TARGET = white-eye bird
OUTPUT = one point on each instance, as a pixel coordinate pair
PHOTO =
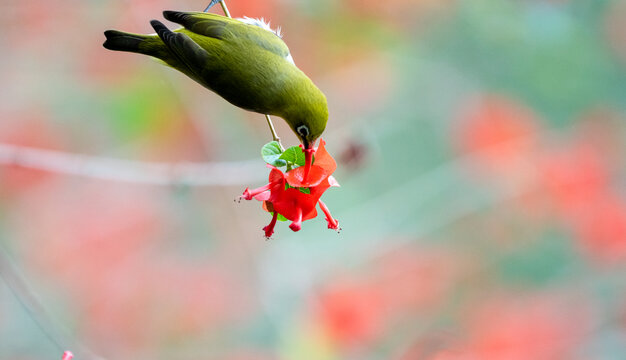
(242, 60)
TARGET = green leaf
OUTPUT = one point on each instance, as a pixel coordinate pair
(304, 190)
(280, 217)
(272, 155)
(294, 155)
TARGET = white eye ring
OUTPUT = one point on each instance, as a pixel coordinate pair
(303, 130)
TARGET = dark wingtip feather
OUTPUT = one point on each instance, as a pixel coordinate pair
(162, 31)
(157, 25)
(173, 16)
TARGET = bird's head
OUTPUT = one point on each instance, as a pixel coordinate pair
(308, 123)
(307, 133)
(308, 118)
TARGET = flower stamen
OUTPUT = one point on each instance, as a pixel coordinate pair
(269, 229)
(250, 194)
(332, 222)
(296, 225)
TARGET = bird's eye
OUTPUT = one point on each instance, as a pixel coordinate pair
(303, 130)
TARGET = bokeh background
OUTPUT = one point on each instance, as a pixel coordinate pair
(481, 150)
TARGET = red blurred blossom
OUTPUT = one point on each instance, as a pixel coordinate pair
(250, 8)
(28, 130)
(97, 225)
(433, 346)
(500, 132)
(514, 328)
(436, 268)
(577, 179)
(574, 177)
(531, 328)
(282, 196)
(398, 12)
(375, 90)
(67, 355)
(352, 315)
(123, 302)
(27, 20)
(602, 230)
(451, 355)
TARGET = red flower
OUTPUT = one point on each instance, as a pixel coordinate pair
(523, 328)
(500, 132)
(352, 314)
(67, 355)
(295, 194)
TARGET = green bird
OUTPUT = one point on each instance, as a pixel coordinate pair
(242, 60)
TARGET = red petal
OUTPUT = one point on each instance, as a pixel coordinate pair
(316, 175)
(333, 182)
(277, 183)
(276, 176)
(292, 203)
(323, 158)
(263, 196)
(317, 191)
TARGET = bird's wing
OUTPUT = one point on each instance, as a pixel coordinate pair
(210, 25)
(183, 48)
(223, 28)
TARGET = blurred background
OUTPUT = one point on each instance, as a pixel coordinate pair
(481, 150)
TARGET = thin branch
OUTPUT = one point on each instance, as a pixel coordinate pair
(31, 304)
(275, 136)
(153, 173)
(226, 12)
(29, 301)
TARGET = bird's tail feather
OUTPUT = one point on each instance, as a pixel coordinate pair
(123, 41)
